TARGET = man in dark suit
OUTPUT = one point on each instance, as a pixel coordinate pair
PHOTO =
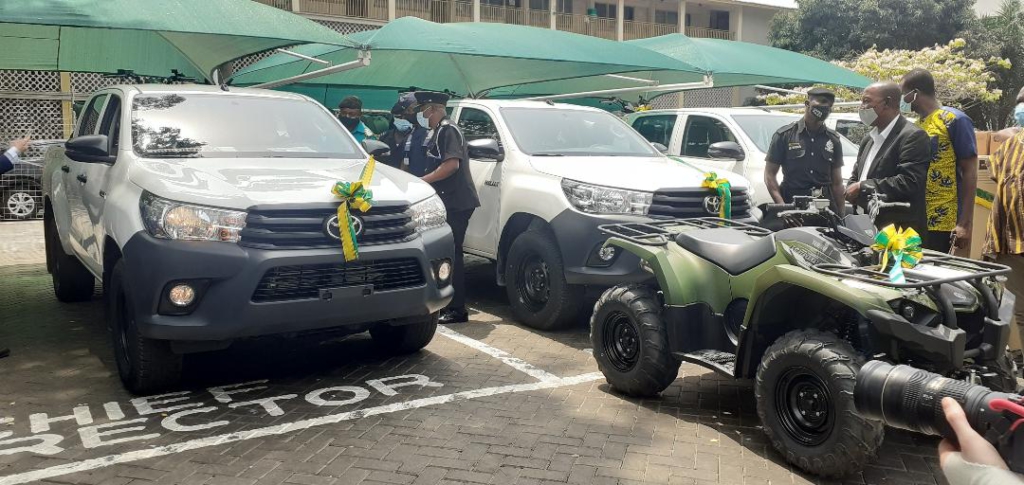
(7, 161)
(893, 159)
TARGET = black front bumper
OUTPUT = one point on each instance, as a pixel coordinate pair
(579, 239)
(229, 275)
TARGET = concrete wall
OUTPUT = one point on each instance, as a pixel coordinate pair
(756, 22)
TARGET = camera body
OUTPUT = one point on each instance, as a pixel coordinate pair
(904, 397)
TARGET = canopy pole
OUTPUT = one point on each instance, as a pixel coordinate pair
(303, 56)
(707, 83)
(843, 104)
(362, 61)
(650, 82)
(780, 90)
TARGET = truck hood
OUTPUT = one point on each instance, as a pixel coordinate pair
(636, 173)
(239, 183)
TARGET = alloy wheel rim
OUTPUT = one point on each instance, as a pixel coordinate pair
(21, 204)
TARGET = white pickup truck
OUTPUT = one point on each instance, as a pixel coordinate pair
(735, 139)
(208, 216)
(548, 175)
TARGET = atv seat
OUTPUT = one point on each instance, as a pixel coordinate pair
(734, 251)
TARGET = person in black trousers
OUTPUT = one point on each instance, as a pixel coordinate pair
(7, 161)
(449, 174)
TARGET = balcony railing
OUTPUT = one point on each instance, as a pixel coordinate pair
(281, 4)
(642, 30)
(587, 25)
(710, 33)
(364, 9)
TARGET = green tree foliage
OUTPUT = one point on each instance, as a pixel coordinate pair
(842, 29)
(1000, 35)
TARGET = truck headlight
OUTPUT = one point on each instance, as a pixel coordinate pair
(594, 199)
(428, 214)
(167, 219)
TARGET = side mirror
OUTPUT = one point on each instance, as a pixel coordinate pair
(89, 149)
(376, 148)
(486, 149)
(727, 150)
(661, 148)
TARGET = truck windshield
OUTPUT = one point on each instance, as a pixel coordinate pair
(761, 128)
(569, 132)
(235, 126)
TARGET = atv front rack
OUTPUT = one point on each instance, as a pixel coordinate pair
(661, 232)
(974, 271)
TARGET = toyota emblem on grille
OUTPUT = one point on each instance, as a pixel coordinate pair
(713, 204)
(332, 228)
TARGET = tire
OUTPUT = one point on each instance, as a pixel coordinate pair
(22, 204)
(71, 281)
(630, 341)
(1004, 375)
(815, 371)
(405, 339)
(146, 366)
(537, 291)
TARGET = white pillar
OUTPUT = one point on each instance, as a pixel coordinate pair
(552, 9)
(739, 24)
(392, 9)
(620, 27)
(682, 16)
(476, 10)
(295, 6)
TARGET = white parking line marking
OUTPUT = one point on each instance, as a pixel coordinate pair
(280, 429)
(515, 362)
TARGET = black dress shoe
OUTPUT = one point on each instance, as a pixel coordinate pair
(451, 315)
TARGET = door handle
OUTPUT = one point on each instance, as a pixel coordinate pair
(65, 169)
(82, 178)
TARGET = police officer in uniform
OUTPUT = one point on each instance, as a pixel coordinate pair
(810, 155)
(448, 172)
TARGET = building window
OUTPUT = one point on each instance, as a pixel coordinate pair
(719, 20)
(688, 20)
(564, 6)
(610, 11)
(666, 17)
(561, 6)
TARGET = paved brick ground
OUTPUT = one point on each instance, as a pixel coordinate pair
(703, 430)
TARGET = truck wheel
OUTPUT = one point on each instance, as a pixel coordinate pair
(71, 281)
(630, 342)
(1003, 376)
(405, 339)
(22, 204)
(804, 394)
(145, 365)
(539, 295)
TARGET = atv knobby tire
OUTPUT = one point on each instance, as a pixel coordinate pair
(630, 341)
(802, 374)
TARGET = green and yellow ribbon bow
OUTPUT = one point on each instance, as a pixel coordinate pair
(903, 245)
(354, 195)
(724, 189)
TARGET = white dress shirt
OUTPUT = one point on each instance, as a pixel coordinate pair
(12, 155)
(877, 139)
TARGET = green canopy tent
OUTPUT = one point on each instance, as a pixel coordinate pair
(729, 63)
(148, 37)
(469, 59)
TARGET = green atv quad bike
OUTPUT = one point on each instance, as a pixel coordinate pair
(798, 311)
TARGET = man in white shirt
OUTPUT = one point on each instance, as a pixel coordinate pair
(893, 159)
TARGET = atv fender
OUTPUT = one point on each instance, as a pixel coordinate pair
(683, 277)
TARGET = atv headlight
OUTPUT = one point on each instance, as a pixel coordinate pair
(914, 311)
(167, 219)
(428, 214)
(594, 199)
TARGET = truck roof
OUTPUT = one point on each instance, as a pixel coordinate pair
(204, 89)
(515, 103)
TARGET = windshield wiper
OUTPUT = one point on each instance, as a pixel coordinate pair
(549, 154)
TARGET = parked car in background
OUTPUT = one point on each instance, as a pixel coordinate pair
(849, 125)
(21, 191)
(548, 175)
(732, 139)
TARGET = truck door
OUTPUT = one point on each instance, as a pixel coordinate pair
(482, 235)
(657, 128)
(94, 190)
(75, 178)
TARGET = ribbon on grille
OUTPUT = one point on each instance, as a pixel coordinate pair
(903, 246)
(354, 195)
(724, 190)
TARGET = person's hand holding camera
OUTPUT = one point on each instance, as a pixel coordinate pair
(972, 460)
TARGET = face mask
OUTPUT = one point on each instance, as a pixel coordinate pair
(907, 107)
(1018, 114)
(422, 120)
(868, 116)
(402, 125)
(820, 112)
(350, 123)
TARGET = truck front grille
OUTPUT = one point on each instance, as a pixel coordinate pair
(692, 202)
(303, 227)
(303, 282)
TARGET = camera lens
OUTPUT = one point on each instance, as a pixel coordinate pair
(909, 398)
